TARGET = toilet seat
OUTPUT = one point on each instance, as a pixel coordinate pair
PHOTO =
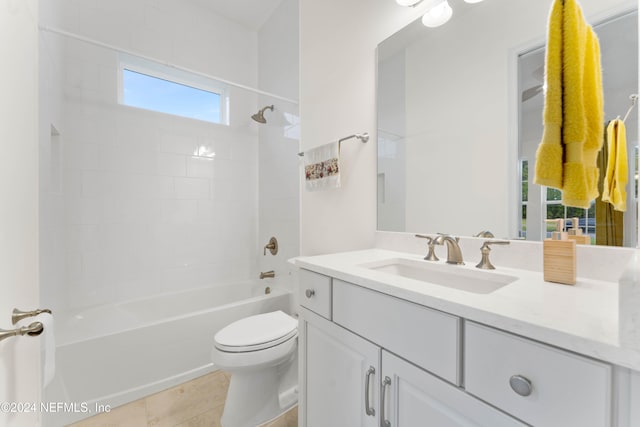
(257, 332)
(260, 353)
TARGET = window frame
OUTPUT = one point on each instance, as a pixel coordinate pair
(173, 75)
(588, 230)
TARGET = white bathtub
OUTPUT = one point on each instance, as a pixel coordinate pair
(114, 354)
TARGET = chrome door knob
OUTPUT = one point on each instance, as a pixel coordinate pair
(309, 293)
(521, 385)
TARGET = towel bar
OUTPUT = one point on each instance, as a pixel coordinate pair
(364, 137)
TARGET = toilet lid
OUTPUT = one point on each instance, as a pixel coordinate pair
(256, 332)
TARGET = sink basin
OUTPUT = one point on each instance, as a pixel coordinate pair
(451, 276)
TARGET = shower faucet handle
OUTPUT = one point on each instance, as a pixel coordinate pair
(272, 246)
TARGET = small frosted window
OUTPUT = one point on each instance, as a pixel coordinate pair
(165, 96)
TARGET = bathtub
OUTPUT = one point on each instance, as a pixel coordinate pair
(117, 353)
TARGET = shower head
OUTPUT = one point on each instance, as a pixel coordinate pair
(259, 116)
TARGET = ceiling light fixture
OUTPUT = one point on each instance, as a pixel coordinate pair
(409, 3)
(437, 15)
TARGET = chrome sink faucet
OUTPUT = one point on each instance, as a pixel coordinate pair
(454, 253)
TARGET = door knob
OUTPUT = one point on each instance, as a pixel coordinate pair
(33, 330)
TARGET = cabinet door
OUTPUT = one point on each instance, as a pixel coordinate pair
(338, 369)
(414, 398)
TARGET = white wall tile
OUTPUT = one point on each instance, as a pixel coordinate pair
(178, 144)
(91, 211)
(171, 164)
(278, 169)
(200, 167)
(142, 215)
(206, 211)
(179, 211)
(82, 155)
(192, 188)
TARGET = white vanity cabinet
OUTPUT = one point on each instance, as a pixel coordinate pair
(340, 373)
(314, 292)
(344, 375)
(423, 336)
(413, 398)
(351, 382)
(541, 385)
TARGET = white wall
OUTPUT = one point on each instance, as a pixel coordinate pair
(19, 356)
(183, 33)
(142, 215)
(338, 42)
(337, 97)
(279, 198)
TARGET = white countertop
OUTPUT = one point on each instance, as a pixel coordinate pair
(583, 318)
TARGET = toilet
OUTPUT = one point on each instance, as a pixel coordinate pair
(261, 354)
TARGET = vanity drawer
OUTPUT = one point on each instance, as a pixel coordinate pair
(314, 292)
(425, 337)
(565, 389)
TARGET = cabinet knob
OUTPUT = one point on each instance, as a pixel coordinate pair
(521, 385)
(309, 293)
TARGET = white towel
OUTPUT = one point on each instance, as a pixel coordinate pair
(322, 167)
(47, 348)
(47, 345)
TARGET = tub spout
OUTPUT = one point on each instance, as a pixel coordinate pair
(266, 274)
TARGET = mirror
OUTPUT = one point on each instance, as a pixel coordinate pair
(449, 110)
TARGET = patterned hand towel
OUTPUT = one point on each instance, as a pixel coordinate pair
(322, 167)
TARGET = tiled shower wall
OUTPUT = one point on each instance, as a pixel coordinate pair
(278, 171)
(144, 214)
(135, 211)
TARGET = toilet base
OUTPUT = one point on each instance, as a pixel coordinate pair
(258, 396)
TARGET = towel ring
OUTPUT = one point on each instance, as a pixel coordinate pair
(634, 101)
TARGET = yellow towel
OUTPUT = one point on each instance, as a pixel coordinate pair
(594, 109)
(573, 112)
(615, 181)
(548, 170)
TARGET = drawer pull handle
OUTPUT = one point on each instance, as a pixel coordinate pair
(385, 384)
(367, 406)
(309, 293)
(521, 385)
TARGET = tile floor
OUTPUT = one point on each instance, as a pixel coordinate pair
(197, 403)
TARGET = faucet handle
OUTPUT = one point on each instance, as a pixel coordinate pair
(431, 241)
(272, 246)
(424, 236)
(485, 249)
(485, 233)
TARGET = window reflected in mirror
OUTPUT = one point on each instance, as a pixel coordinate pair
(603, 224)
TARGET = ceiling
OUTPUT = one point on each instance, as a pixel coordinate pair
(248, 13)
